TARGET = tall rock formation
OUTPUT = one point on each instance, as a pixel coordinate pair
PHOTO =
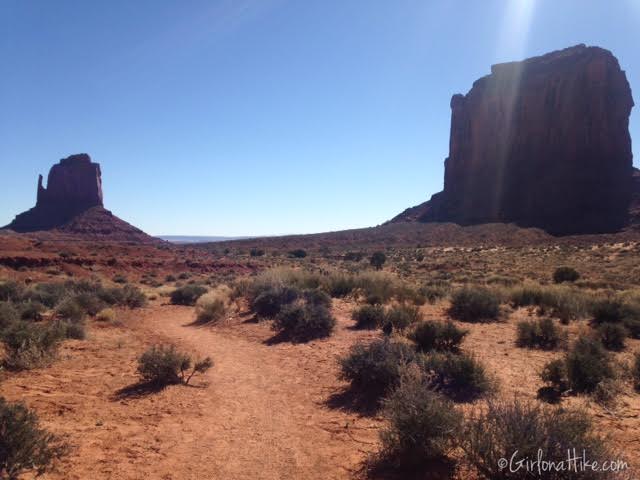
(541, 143)
(72, 203)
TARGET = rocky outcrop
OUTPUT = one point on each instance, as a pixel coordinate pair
(540, 143)
(72, 203)
(74, 185)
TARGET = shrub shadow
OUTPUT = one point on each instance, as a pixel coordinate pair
(379, 467)
(138, 390)
(353, 401)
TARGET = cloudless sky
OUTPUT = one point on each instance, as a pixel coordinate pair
(254, 117)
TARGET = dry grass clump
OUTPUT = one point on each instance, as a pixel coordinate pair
(107, 315)
(561, 301)
(212, 306)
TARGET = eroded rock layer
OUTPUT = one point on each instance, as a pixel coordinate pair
(541, 143)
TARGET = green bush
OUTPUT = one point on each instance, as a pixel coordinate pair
(587, 364)
(24, 445)
(565, 274)
(401, 317)
(612, 336)
(89, 302)
(440, 336)
(377, 260)
(474, 304)
(304, 322)
(542, 334)
(375, 369)
(369, 316)
(165, 365)
(515, 427)
(268, 303)
(422, 424)
(187, 295)
(460, 376)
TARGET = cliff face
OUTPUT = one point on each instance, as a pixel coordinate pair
(540, 143)
(72, 203)
(75, 181)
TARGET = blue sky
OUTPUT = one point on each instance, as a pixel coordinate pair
(254, 117)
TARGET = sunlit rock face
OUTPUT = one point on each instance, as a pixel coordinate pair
(541, 143)
(74, 185)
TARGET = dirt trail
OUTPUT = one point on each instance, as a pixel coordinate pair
(265, 412)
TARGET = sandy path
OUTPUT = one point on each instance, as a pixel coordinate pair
(265, 413)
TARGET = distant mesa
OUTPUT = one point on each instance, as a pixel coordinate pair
(72, 203)
(540, 143)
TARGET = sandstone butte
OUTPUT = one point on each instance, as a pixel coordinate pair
(540, 143)
(72, 203)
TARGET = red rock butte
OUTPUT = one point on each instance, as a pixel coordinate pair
(72, 203)
(540, 143)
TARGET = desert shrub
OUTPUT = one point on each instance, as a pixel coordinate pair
(170, 278)
(31, 310)
(612, 335)
(340, 285)
(422, 424)
(474, 304)
(435, 292)
(565, 274)
(460, 376)
(120, 279)
(256, 252)
(515, 427)
(165, 365)
(298, 253)
(211, 307)
(542, 334)
(440, 336)
(377, 260)
(587, 364)
(353, 256)
(375, 369)
(89, 302)
(8, 315)
(608, 311)
(635, 371)
(369, 316)
(10, 291)
(376, 287)
(565, 303)
(132, 297)
(24, 445)
(29, 345)
(401, 317)
(70, 309)
(106, 315)
(187, 295)
(317, 297)
(302, 322)
(554, 374)
(49, 294)
(74, 330)
(268, 303)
